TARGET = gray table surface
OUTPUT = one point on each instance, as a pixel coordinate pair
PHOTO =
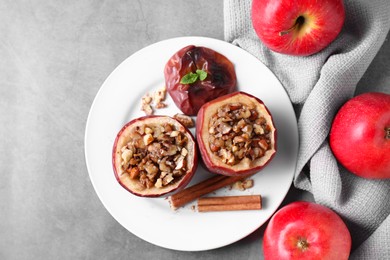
(54, 57)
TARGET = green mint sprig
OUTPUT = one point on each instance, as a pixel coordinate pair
(191, 77)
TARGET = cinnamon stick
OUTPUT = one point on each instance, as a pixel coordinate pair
(243, 199)
(251, 202)
(207, 186)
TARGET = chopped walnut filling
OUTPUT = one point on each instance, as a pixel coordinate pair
(237, 132)
(156, 155)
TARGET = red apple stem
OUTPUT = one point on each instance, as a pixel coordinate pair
(302, 244)
(297, 25)
(387, 132)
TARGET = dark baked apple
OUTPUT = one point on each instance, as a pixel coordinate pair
(195, 75)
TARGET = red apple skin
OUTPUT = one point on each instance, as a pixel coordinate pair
(360, 135)
(317, 24)
(306, 230)
(202, 145)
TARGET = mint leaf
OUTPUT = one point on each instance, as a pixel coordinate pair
(202, 74)
(193, 77)
(189, 78)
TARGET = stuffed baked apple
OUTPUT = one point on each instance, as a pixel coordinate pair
(235, 134)
(154, 155)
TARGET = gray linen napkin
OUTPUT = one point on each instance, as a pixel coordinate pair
(318, 85)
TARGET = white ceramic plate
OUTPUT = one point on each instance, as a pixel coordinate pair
(118, 101)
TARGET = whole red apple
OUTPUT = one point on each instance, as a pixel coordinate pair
(306, 230)
(360, 135)
(297, 27)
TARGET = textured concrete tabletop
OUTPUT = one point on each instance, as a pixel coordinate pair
(54, 57)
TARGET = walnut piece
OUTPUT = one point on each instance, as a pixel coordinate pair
(158, 97)
(147, 109)
(134, 172)
(185, 120)
(242, 185)
(247, 184)
(146, 99)
(160, 105)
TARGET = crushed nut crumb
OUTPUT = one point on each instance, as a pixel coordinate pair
(247, 184)
(160, 105)
(147, 109)
(242, 185)
(185, 120)
(146, 99)
(158, 97)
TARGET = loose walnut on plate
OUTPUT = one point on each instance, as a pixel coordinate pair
(185, 120)
(242, 185)
(156, 100)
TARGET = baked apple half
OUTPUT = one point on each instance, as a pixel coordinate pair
(195, 75)
(236, 134)
(154, 155)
